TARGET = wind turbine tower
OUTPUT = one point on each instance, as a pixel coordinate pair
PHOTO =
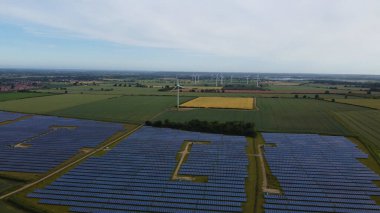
(257, 81)
(178, 87)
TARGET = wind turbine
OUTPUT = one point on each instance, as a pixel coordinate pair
(257, 81)
(221, 78)
(177, 87)
(216, 80)
(247, 77)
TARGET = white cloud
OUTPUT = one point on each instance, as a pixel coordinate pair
(319, 34)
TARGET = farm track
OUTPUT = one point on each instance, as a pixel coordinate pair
(113, 141)
(15, 120)
(265, 187)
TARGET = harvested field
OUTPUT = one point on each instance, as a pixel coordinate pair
(221, 103)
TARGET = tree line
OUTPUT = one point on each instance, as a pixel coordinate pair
(227, 128)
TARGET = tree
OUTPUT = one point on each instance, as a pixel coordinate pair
(296, 96)
(316, 96)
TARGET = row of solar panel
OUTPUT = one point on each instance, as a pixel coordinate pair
(319, 174)
(133, 162)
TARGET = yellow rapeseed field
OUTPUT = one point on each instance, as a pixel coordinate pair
(221, 102)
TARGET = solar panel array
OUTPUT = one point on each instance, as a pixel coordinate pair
(319, 174)
(44, 147)
(136, 176)
(7, 116)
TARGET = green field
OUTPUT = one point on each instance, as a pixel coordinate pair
(6, 184)
(20, 95)
(371, 103)
(46, 104)
(277, 115)
(132, 109)
(366, 125)
(8, 208)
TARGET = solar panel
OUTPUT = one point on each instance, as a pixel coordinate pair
(138, 172)
(319, 173)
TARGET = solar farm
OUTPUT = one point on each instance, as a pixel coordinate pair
(114, 143)
(136, 176)
(39, 143)
(319, 174)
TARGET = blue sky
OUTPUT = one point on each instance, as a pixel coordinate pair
(324, 36)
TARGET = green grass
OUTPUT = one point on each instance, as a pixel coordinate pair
(6, 184)
(277, 115)
(20, 95)
(9, 208)
(366, 125)
(44, 105)
(253, 182)
(130, 109)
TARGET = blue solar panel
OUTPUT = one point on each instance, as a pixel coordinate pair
(44, 146)
(138, 172)
(319, 174)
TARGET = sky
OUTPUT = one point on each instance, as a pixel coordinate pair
(303, 36)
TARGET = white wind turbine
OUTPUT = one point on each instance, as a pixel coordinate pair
(177, 87)
(247, 77)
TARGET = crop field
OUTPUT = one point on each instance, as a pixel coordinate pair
(20, 95)
(133, 109)
(46, 104)
(277, 114)
(221, 103)
(136, 176)
(372, 103)
(307, 165)
(366, 125)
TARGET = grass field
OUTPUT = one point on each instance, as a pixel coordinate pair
(366, 125)
(372, 103)
(132, 109)
(6, 184)
(220, 102)
(48, 104)
(277, 115)
(20, 95)
(8, 208)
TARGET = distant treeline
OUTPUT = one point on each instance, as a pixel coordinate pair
(242, 87)
(227, 128)
(374, 86)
